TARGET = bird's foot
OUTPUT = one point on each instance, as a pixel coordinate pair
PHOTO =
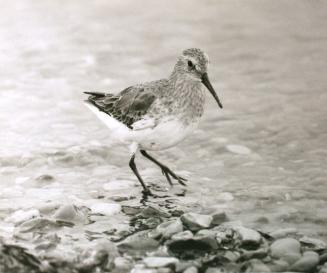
(167, 173)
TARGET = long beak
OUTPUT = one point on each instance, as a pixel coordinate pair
(206, 82)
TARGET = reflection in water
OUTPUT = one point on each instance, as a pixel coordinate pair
(267, 63)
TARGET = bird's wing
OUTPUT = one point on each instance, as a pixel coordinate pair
(129, 106)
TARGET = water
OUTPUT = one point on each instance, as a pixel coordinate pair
(268, 65)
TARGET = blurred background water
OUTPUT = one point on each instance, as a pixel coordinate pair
(262, 158)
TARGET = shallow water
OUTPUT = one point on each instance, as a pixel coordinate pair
(268, 64)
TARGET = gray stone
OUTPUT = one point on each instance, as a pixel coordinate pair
(214, 270)
(313, 243)
(195, 221)
(256, 265)
(232, 256)
(154, 211)
(168, 229)
(185, 235)
(285, 246)
(250, 238)
(323, 269)
(123, 264)
(278, 266)
(307, 263)
(143, 270)
(139, 242)
(207, 237)
(282, 233)
(154, 262)
(191, 269)
(218, 218)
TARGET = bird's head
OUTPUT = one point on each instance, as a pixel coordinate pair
(193, 63)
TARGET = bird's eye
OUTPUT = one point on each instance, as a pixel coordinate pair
(190, 64)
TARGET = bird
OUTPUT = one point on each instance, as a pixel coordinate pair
(157, 115)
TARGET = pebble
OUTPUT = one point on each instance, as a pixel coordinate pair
(122, 264)
(315, 244)
(160, 261)
(20, 216)
(306, 263)
(285, 246)
(238, 149)
(196, 221)
(282, 233)
(143, 270)
(251, 239)
(225, 196)
(256, 265)
(278, 266)
(107, 209)
(214, 270)
(66, 213)
(191, 269)
(185, 235)
(168, 229)
(207, 237)
(139, 241)
(154, 211)
(218, 218)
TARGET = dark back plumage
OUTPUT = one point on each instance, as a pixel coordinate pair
(128, 106)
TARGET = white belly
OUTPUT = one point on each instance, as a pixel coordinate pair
(147, 135)
(166, 134)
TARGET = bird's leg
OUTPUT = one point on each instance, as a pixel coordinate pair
(165, 170)
(132, 165)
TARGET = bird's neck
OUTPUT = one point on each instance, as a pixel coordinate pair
(188, 94)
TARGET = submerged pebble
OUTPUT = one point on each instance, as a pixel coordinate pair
(195, 221)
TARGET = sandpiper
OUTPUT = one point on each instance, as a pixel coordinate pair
(159, 114)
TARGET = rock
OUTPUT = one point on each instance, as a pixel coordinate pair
(226, 236)
(207, 237)
(282, 233)
(154, 211)
(323, 269)
(286, 246)
(139, 242)
(45, 178)
(143, 270)
(101, 253)
(107, 209)
(250, 238)
(191, 269)
(67, 213)
(196, 221)
(154, 262)
(123, 264)
(218, 218)
(20, 216)
(313, 243)
(232, 256)
(323, 258)
(238, 149)
(256, 265)
(278, 266)
(214, 270)
(306, 263)
(131, 210)
(167, 229)
(254, 254)
(185, 235)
